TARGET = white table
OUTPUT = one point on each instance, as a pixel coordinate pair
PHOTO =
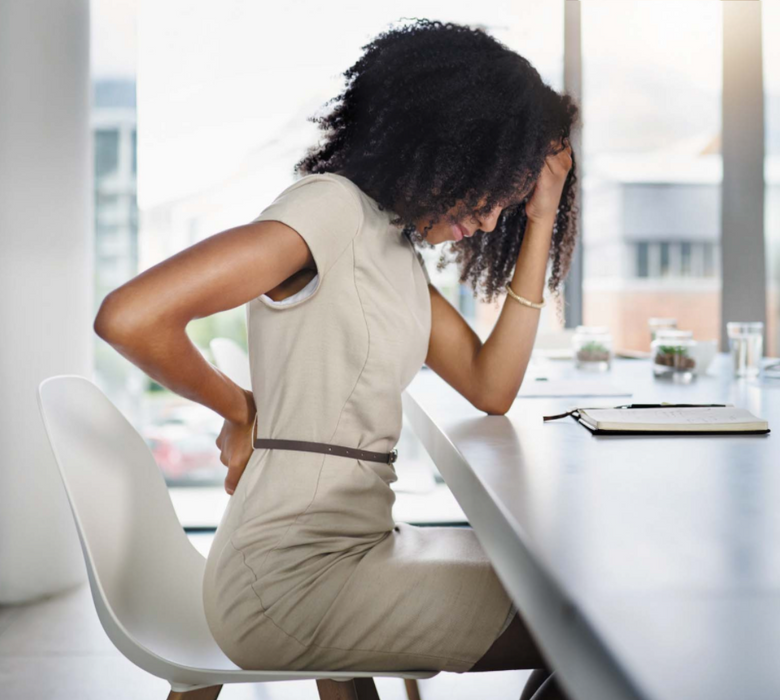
(646, 567)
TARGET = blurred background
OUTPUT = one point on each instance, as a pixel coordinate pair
(199, 113)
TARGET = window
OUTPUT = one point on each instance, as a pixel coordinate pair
(651, 139)
(134, 150)
(675, 260)
(214, 153)
(710, 262)
(642, 260)
(665, 271)
(112, 66)
(106, 152)
(685, 259)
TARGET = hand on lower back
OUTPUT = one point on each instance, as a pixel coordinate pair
(235, 444)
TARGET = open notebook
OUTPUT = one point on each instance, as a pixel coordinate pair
(669, 419)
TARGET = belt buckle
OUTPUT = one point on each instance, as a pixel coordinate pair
(393, 455)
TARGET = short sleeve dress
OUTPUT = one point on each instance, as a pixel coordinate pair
(308, 570)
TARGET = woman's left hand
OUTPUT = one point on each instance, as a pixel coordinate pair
(546, 195)
(235, 444)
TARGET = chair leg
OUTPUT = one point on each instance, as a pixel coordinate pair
(412, 689)
(356, 689)
(209, 693)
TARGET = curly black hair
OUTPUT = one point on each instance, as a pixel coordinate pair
(434, 113)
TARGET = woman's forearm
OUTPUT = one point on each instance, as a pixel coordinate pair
(169, 357)
(504, 356)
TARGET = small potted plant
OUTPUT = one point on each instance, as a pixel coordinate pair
(673, 355)
(593, 351)
(592, 348)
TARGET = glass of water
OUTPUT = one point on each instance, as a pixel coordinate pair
(746, 342)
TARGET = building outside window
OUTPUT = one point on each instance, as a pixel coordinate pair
(674, 260)
(651, 184)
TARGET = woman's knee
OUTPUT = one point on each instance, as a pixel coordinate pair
(514, 649)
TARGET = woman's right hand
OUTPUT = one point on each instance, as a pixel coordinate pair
(546, 195)
(235, 444)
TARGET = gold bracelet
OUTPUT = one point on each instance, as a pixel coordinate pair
(523, 300)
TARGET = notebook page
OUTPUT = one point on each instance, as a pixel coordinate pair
(673, 416)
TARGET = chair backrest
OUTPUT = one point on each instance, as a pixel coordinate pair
(231, 359)
(145, 575)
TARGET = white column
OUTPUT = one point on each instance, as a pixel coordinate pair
(46, 277)
(742, 201)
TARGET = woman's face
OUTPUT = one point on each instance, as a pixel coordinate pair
(444, 230)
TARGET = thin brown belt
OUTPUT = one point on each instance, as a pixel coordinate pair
(324, 447)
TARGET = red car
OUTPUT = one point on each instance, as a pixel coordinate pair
(185, 455)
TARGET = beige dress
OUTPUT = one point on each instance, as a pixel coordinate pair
(308, 570)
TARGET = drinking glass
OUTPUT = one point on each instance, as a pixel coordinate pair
(746, 343)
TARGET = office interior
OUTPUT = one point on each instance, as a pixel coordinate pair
(132, 130)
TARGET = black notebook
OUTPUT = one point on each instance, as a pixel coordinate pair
(670, 420)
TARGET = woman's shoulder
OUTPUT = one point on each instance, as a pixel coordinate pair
(368, 203)
(334, 191)
(343, 183)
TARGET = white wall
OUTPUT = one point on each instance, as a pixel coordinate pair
(46, 277)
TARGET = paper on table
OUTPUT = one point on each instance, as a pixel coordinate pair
(673, 416)
(551, 388)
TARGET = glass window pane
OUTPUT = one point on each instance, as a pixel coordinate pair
(709, 260)
(106, 152)
(685, 259)
(134, 151)
(665, 260)
(651, 117)
(642, 267)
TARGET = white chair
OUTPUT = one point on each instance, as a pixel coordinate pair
(144, 574)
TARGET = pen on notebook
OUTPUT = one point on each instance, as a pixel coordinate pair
(673, 405)
(638, 405)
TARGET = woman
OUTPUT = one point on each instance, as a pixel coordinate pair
(442, 135)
